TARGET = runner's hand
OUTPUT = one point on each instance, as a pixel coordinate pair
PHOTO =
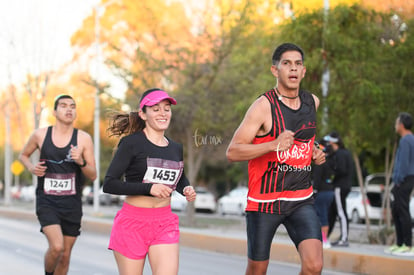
(189, 193)
(39, 169)
(284, 141)
(160, 191)
(318, 156)
(76, 154)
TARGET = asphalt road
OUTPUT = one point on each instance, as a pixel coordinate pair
(22, 247)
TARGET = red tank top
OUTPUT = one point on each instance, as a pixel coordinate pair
(280, 181)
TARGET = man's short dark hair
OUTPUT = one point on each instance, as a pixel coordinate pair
(406, 120)
(285, 47)
(59, 97)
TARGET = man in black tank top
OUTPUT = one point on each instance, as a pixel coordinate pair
(66, 156)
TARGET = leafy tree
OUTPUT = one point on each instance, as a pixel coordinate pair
(209, 59)
(403, 7)
(216, 60)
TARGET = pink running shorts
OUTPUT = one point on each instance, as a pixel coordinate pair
(135, 229)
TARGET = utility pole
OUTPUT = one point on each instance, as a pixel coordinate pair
(96, 130)
(7, 144)
(7, 154)
(325, 74)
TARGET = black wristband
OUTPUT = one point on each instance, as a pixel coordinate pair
(84, 163)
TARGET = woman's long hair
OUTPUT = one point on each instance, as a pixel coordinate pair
(124, 124)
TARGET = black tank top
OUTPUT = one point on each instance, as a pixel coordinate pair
(64, 178)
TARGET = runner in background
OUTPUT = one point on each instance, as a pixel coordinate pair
(66, 156)
(343, 172)
(322, 177)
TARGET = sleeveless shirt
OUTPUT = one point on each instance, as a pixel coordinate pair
(62, 184)
(280, 181)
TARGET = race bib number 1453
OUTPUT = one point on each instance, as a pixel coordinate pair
(163, 171)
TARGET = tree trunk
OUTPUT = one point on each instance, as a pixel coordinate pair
(362, 187)
(386, 204)
(195, 157)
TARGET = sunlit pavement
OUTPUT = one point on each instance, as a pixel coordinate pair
(358, 258)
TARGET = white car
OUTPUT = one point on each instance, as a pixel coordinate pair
(234, 202)
(205, 200)
(355, 203)
(104, 198)
(28, 193)
(178, 202)
(375, 184)
(375, 191)
(412, 208)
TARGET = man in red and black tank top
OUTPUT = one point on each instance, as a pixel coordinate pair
(277, 137)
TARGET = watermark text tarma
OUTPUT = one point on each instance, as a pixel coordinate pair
(205, 139)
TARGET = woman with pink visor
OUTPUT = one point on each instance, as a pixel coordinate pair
(147, 167)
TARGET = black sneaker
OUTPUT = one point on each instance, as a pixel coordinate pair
(340, 243)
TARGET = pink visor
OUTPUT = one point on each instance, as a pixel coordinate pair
(155, 97)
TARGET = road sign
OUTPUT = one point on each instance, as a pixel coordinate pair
(17, 168)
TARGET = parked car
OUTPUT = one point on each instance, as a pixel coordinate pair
(375, 179)
(87, 194)
(379, 180)
(373, 201)
(205, 200)
(178, 202)
(28, 193)
(374, 192)
(15, 192)
(104, 198)
(412, 208)
(234, 202)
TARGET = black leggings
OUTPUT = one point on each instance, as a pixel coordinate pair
(401, 211)
(338, 209)
(302, 224)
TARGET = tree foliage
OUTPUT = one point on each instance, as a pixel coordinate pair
(202, 56)
(215, 61)
(214, 57)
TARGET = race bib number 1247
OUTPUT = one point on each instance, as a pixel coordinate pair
(59, 184)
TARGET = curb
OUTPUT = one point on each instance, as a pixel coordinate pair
(334, 259)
